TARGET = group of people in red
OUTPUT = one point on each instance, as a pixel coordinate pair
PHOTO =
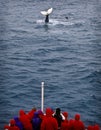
(37, 120)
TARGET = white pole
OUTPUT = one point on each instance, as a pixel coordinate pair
(42, 96)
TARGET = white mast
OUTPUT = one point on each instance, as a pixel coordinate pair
(42, 96)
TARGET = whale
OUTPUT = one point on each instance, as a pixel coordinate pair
(47, 13)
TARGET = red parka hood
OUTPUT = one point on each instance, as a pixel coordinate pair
(77, 117)
(90, 127)
(65, 114)
(48, 112)
(12, 122)
(96, 127)
(21, 112)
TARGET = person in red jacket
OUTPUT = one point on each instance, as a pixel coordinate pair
(6, 127)
(70, 124)
(64, 123)
(96, 127)
(12, 125)
(90, 127)
(78, 124)
(25, 120)
(30, 114)
(49, 122)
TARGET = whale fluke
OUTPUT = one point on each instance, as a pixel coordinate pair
(46, 13)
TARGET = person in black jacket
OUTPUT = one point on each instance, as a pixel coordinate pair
(57, 115)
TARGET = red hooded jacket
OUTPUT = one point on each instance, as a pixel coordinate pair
(78, 124)
(6, 127)
(70, 124)
(49, 122)
(65, 124)
(90, 127)
(12, 125)
(96, 127)
(30, 114)
(25, 120)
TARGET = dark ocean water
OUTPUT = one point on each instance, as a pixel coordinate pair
(65, 54)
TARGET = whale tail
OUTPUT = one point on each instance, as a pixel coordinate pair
(46, 13)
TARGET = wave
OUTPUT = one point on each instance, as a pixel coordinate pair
(65, 22)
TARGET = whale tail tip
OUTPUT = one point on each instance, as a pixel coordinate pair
(45, 13)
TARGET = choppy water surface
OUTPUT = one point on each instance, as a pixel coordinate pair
(65, 54)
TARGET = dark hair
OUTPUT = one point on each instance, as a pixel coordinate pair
(58, 110)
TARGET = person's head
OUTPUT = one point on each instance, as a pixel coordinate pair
(90, 127)
(16, 119)
(22, 112)
(6, 127)
(34, 109)
(65, 114)
(41, 115)
(36, 114)
(49, 112)
(77, 117)
(58, 110)
(12, 122)
(96, 127)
